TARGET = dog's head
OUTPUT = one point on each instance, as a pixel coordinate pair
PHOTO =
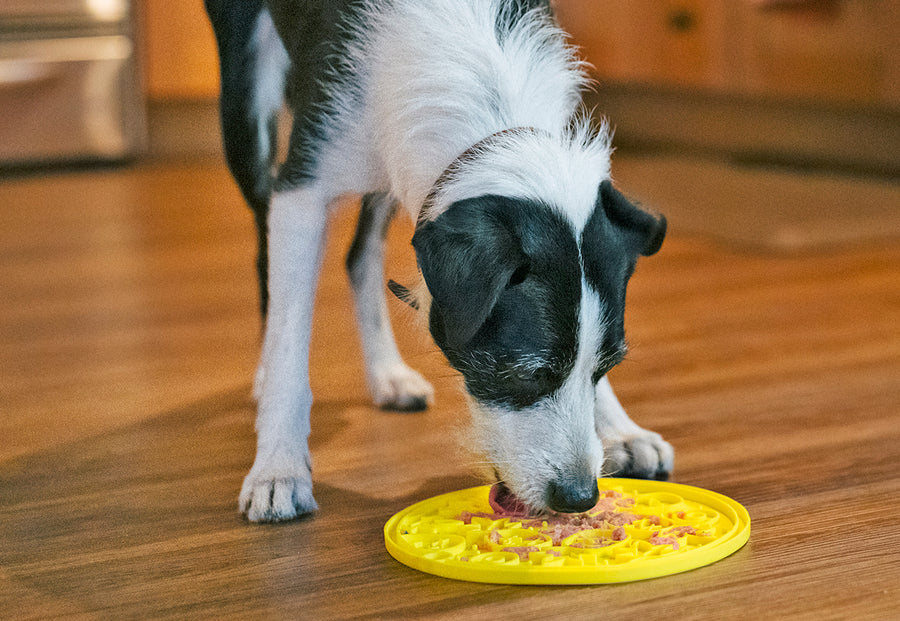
(528, 305)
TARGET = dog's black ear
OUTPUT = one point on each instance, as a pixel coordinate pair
(644, 231)
(468, 256)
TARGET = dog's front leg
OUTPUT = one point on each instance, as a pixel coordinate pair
(279, 485)
(392, 383)
(630, 450)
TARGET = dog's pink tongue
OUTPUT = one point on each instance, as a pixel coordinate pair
(505, 503)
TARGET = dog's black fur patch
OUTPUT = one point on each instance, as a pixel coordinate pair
(364, 231)
(615, 235)
(505, 279)
(248, 160)
(315, 35)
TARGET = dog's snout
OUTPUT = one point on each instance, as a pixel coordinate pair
(573, 497)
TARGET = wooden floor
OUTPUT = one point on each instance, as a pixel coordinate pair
(129, 336)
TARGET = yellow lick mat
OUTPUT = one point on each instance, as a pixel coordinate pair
(638, 530)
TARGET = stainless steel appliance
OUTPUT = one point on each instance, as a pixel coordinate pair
(69, 81)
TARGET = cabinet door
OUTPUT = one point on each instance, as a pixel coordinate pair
(831, 50)
(660, 42)
(70, 98)
(180, 51)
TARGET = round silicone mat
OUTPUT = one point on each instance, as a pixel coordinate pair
(646, 529)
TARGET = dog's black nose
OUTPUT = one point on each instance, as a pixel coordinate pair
(573, 498)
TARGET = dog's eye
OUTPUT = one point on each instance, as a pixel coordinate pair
(535, 376)
(519, 275)
(522, 386)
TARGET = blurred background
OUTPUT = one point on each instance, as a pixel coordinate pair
(693, 88)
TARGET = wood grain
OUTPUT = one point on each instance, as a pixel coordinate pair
(815, 52)
(129, 338)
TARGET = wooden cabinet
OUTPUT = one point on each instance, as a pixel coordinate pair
(834, 51)
(809, 81)
(680, 43)
(845, 51)
(817, 50)
(179, 54)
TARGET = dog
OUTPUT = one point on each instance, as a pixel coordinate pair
(466, 114)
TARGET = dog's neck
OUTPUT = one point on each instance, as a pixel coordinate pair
(562, 170)
(446, 74)
(473, 151)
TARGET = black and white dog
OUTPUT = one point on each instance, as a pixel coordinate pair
(467, 113)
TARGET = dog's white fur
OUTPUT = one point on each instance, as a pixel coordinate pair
(272, 66)
(439, 100)
(433, 80)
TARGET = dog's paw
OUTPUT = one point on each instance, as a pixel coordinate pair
(643, 455)
(276, 497)
(397, 387)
